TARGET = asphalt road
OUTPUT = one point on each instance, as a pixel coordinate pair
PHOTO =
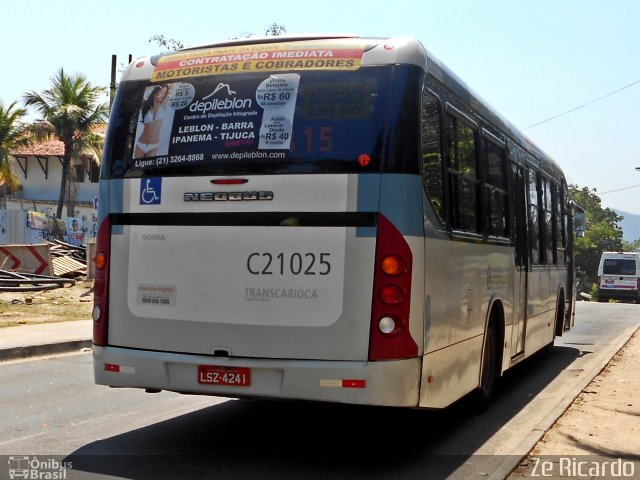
(51, 407)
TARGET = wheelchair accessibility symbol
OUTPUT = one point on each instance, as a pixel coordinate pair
(150, 191)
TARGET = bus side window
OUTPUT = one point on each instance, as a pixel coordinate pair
(547, 207)
(463, 175)
(562, 222)
(519, 214)
(431, 151)
(534, 219)
(555, 227)
(496, 193)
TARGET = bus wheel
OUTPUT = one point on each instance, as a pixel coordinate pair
(489, 377)
(561, 323)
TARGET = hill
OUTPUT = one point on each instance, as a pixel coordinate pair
(630, 226)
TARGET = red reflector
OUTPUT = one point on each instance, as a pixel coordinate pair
(353, 384)
(364, 160)
(229, 181)
(110, 367)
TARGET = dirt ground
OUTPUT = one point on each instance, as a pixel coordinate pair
(602, 424)
(58, 305)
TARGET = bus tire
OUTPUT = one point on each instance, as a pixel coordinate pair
(483, 395)
(561, 324)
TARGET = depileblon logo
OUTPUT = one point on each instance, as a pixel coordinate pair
(226, 101)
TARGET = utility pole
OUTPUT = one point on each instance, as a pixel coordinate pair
(113, 85)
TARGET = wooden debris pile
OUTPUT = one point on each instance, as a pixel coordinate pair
(68, 260)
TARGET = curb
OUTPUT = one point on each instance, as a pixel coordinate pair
(23, 352)
(526, 446)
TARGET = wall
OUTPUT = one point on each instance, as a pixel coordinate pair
(40, 186)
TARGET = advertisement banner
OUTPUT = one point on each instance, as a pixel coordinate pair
(37, 220)
(256, 58)
(75, 232)
(207, 120)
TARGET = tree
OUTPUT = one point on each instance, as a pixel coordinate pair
(631, 246)
(169, 44)
(13, 135)
(173, 45)
(602, 234)
(275, 30)
(72, 111)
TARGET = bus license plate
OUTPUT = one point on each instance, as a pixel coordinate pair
(215, 375)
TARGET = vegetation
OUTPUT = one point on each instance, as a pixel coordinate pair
(169, 44)
(172, 45)
(13, 135)
(275, 30)
(602, 234)
(631, 246)
(71, 111)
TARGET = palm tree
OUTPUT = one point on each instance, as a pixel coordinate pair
(72, 111)
(13, 135)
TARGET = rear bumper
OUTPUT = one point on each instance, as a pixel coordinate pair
(616, 294)
(391, 383)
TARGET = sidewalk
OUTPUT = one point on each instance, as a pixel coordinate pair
(600, 427)
(44, 339)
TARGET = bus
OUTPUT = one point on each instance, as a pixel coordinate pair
(327, 218)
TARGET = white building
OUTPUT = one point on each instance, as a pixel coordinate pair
(39, 169)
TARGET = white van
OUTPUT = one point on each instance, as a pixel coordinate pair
(619, 276)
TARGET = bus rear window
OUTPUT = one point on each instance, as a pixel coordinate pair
(300, 122)
(619, 266)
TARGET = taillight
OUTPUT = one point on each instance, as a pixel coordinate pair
(389, 337)
(638, 283)
(101, 285)
(393, 265)
(392, 295)
(598, 279)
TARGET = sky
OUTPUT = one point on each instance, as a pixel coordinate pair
(531, 60)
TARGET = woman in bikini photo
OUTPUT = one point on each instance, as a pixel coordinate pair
(154, 111)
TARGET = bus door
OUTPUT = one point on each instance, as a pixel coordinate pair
(519, 223)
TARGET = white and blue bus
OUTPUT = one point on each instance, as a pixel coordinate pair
(322, 218)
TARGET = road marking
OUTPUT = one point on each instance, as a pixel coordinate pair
(26, 437)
